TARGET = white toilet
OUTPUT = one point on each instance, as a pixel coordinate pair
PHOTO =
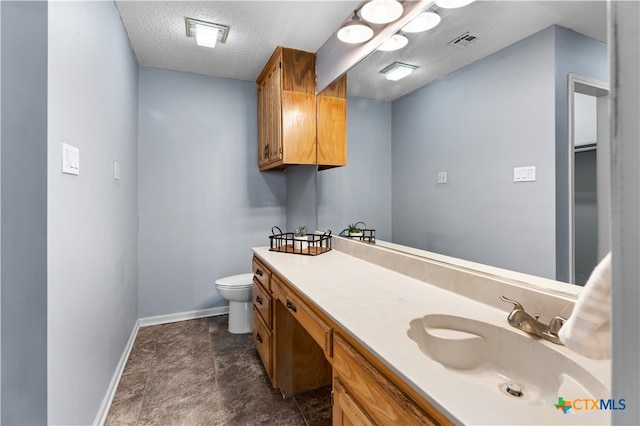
(237, 290)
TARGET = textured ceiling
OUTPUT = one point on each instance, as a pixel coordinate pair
(156, 30)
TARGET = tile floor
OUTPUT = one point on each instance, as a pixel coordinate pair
(197, 373)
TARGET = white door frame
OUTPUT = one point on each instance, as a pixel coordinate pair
(587, 86)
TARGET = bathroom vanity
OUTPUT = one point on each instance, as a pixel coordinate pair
(348, 319)
(300, 347)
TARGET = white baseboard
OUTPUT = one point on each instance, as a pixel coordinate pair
(145, 322)
(111, 390)
(183, 316)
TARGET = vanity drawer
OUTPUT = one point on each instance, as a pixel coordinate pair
(262, 303)
(262, 341)
(317, 329)
(262, 274)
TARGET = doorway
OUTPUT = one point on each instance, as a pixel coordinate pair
(589, 176)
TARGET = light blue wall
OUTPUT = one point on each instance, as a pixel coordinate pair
(361, 191)
(92, 219)
(302, 200)
(477, 124)
(574, 53)
(203, 203)
(23, 211)
(504, 111)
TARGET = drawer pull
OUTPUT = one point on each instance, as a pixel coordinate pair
(291, 306)
(258, 271)
(259, 300)
(258, 337)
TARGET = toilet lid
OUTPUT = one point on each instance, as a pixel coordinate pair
(236, 281)
(234, 286)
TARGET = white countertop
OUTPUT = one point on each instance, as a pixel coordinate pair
(375, 305)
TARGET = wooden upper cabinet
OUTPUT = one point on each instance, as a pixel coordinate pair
(332, 124)
(287, 110)
(294, 125)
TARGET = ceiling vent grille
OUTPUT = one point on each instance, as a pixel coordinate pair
(463, 41)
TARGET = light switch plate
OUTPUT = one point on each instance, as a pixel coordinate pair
(524, 174)
(116, 170)
(70, 159)
(442, 177)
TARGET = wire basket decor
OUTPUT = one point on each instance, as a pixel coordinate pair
(311, 244)
(364, 234)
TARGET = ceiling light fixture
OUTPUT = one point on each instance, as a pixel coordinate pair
(206, 36)
(206, 33)
(395, 42)
(355, 31)
(398, 70)
(453, 4)
(381, 11)
(423, 22)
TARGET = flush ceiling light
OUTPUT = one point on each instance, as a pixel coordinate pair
(395, 42)
(453, 4)
(355, 31)
(423, 22)
(398, 70)
(381, 11)
(206, 33)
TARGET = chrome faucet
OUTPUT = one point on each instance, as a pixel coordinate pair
(528, 323)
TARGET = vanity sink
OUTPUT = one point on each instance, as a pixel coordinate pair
(505, 360)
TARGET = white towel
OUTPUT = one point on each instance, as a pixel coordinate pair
(588, 329)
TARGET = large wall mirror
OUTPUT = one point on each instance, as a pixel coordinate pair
(471, 115)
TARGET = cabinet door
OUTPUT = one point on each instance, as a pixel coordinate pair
(378, 396)
(332, 125)
(274, 113)
(263, 136)
(270, 116)
(346, 411)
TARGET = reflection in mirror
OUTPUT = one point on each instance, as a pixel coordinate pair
(590, 214)
(472, 126)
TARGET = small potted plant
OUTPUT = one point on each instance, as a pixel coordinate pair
(354, 231)
(301, 235)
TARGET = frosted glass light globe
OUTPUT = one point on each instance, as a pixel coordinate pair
(381, 11)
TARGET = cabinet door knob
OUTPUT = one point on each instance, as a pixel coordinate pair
(258, 272)
(291, 306)
(258, 337)
(259, 300)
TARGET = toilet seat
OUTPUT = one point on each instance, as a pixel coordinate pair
(236, 281)
(230, 286)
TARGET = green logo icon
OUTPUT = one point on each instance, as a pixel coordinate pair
(563, 405)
